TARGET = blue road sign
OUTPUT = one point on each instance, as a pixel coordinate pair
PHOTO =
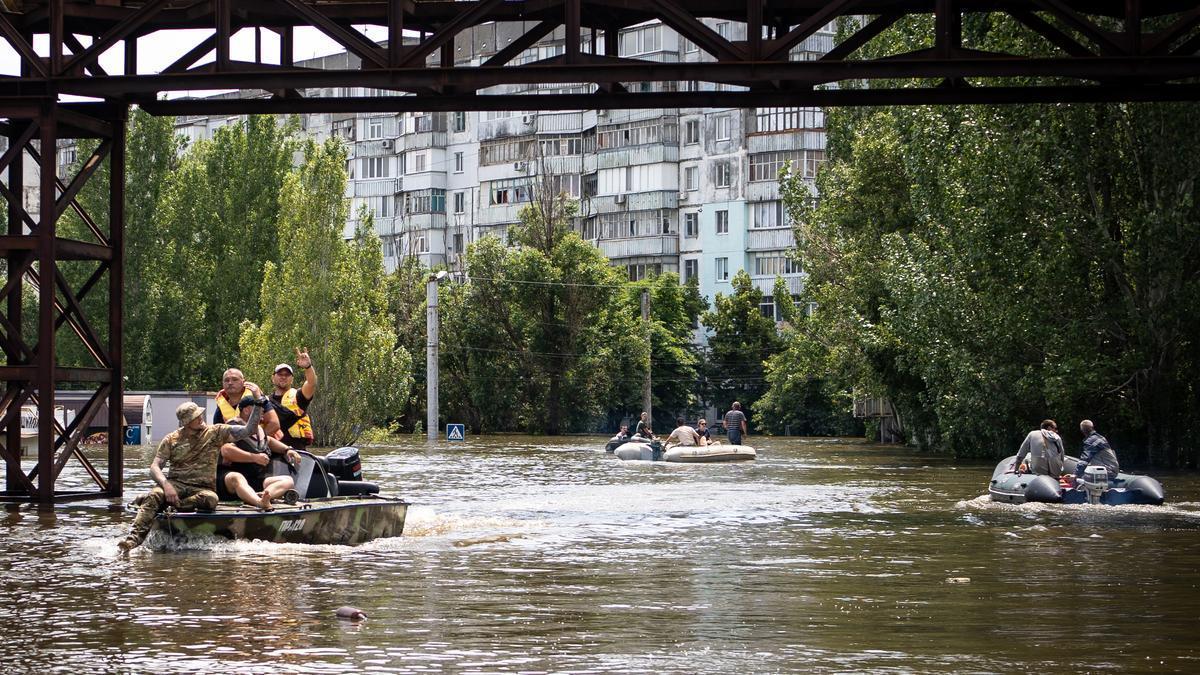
(456, 432)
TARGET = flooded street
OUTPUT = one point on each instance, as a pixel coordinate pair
(532, 554)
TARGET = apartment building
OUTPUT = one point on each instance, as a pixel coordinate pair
(693, 191)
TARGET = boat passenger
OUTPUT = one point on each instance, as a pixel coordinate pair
(1044, 449)
(191, 451)
(643, 427)
(682, 435)
(1096, 450)
(244, 473)
(291, 404)
(703, 432)
(735, 424)
(234, 388)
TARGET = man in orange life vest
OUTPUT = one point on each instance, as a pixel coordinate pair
(291, 405)
(229, 400)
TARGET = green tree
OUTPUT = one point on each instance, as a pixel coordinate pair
(545, 315)
(675, 310)
(326, 295)
(743, 339)
(216, 230)
(986, 267)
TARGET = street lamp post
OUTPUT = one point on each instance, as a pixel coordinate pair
(431, 354)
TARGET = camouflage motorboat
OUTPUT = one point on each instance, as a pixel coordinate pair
(334, 506)
(328, 520)
(1094, 488)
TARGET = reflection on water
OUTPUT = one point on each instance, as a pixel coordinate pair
(525, 554)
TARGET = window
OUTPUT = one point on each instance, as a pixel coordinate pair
(691, 178)
(460, 202)
(641, 271)
(505, 150)
(375, 128)
(631, 224)
(640, 40)
(691, 132)
(723, 29)
(768, 120)
(723, 222)
(766, 165)
(432, 200)
(689, 47)
(768, 214)
(421, 246)
(691, 224)
(375, 167)
(691, 269)
(724, 177)
(510, 191)
(774, 263)
(564, 184)
(724, 126)
(566, 145)
(458, 162)
(722, 269)
(460, 121)
(766, 306)
(458, 243)
(419, 162)
(662, 130)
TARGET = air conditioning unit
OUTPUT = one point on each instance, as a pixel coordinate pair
(388, 144)
(527, 119)
(619, 199)
(683, 196)
(520, 166)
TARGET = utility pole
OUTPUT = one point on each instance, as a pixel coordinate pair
(431, 354)
(649, 355)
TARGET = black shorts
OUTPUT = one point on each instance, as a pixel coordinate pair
(253, 476)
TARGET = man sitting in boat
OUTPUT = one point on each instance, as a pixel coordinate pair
(192, 452)
(1096, 450)
(1044, 449)
(682, 435)
(243, 471)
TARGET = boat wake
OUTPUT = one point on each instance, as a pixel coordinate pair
(984, 503)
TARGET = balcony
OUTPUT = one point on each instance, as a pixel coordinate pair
(376, 187)
(423, 139)
(773, 239)
(635, 247)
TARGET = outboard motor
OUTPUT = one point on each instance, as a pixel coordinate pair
(344, 464)
(337, 474)
(1095, 480)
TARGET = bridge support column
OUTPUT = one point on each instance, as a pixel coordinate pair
(58, 254)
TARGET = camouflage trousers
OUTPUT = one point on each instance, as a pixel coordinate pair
(154, 501)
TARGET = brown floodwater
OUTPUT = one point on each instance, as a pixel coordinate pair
(533, 555)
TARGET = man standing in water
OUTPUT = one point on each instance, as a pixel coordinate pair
(192, 452)
(1044, 448)
(291, 405)
(735, 423)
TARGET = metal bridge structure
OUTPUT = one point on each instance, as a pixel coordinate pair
(76, 74)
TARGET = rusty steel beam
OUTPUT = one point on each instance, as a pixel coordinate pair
(807, 73)
(742, 99)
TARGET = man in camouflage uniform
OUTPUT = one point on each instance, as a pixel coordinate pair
(192, 451)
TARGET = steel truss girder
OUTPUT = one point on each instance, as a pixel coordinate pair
(34, 251)
(1101, 44)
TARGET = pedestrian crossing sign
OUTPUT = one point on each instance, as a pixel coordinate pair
(456, 432)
